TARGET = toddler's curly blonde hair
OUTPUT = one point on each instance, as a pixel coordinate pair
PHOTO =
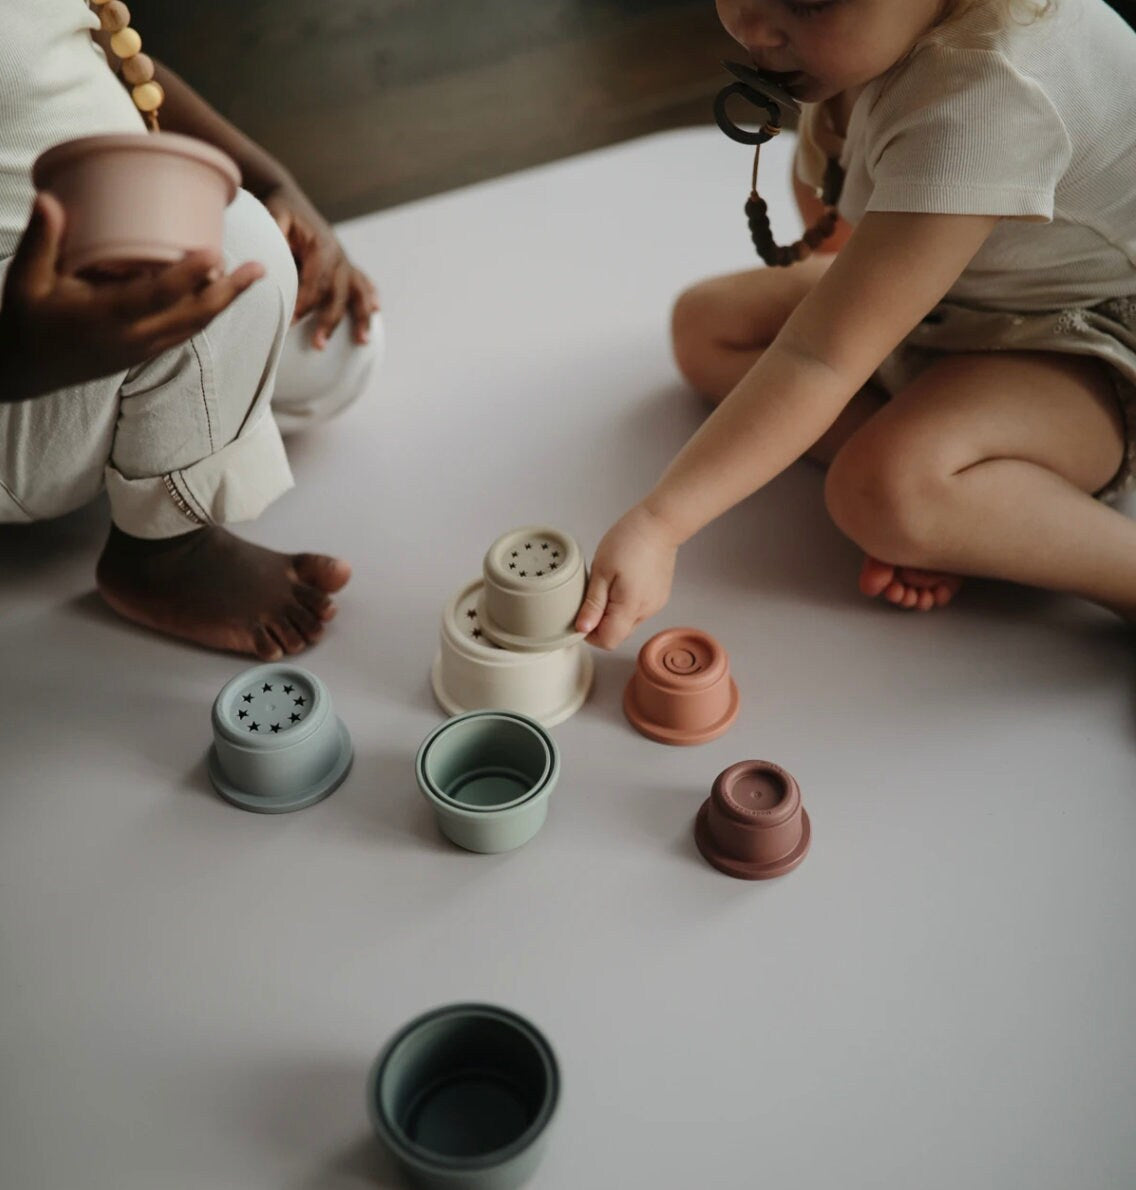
(1023, 11)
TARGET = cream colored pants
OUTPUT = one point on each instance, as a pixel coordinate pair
(191, 437)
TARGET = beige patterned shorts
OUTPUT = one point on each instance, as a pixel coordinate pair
(1107, 331)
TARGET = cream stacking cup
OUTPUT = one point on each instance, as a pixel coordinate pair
(471, 672)
(137, 199)
(535, 581)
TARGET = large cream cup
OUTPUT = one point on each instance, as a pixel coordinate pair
(471, 673)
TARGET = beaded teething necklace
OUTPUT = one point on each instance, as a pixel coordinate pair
(770, 98)
(137, 67)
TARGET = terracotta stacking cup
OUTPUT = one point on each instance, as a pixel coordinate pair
(462, 1098)
(753, 824)
(681, 691)
(277, 742)
(471, 672)
(535, 580)
(137, 199)
(489, 776)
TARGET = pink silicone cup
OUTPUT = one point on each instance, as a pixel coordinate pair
(753, 825)
(681, 691)
(137, 199)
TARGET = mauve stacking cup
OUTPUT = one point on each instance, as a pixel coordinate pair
(753, 825)
(462, 1098)
(137, 199)
(681, 691)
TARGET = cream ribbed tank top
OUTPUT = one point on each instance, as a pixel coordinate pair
(55, 85)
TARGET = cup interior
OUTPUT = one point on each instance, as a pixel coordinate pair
(757, 789)
(487, 762)
(466, 1086)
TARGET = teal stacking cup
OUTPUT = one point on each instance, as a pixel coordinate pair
(488, 776)
(462, 1098)
(278, 744)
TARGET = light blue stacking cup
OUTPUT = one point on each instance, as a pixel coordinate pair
(277, 742)
(462, 1097)
(488, 776)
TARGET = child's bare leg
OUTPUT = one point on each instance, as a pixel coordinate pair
(986, 465)
(720, 327)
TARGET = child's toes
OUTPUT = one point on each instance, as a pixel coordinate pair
(290, 638)
(318, 602)
(306, 623)
(265, 645)
(321, 571)
(876, 577)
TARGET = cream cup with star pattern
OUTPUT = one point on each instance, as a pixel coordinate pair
(277, 743)
(471, 672)
(535, 581)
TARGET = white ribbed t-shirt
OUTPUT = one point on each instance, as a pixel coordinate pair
(1034, 122)
(55, 85)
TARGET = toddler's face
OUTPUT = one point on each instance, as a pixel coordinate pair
(822, 47)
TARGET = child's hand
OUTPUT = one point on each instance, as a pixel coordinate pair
(60, 329)
(328, 281)
(630, 578)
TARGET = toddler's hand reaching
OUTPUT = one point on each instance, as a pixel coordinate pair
(59, 329)
(630, 578)
(329, 282)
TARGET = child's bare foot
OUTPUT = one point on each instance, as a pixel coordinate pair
(907, 587)
(216, 590)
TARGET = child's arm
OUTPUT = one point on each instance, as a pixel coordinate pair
(329, 282)
(893, 270)
(58, 330)
(812, 209)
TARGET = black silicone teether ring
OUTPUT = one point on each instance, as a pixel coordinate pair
(760, 92)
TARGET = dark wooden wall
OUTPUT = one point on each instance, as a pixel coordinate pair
(376, 102)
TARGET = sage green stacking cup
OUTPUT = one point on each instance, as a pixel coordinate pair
(488, 776)
(462, 1098)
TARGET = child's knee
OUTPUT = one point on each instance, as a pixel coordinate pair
(313, 386)
(883, 497)
(696, 313)
(251, 233)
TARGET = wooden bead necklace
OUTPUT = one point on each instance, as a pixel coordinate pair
(770, 98)
(137, 67)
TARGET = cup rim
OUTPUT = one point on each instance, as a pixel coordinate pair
(442, 801)
(393, 1135)
(286, 803)
(660, 733)
(174, 143)
(585, 675)
(525, 644)
(489, 654)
